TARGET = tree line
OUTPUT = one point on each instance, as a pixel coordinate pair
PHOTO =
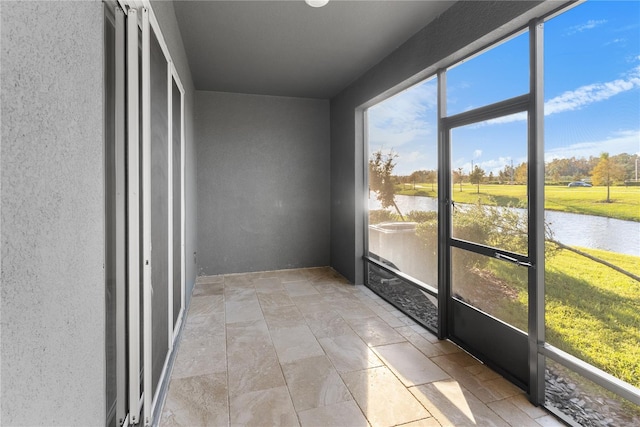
(604, 170)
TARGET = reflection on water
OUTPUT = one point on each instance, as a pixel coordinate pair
(571, 229)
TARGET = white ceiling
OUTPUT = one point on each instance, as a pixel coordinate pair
(287, 48)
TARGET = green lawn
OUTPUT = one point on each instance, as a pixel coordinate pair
(592, 311)
(584, 200)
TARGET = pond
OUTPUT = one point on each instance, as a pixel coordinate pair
(587, 231)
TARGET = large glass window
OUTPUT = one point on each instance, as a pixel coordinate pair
(403, 191)
(591, 118)
(592, 200)
(499, 73)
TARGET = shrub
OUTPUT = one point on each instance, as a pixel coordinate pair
(422, 216)
(377, 216)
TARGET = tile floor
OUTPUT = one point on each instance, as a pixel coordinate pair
(303, 347)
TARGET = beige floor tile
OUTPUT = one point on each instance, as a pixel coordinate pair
(239, 294)
(527, 407)
(377, 309)
(196, 401)
(239, 281)
(327, 324)
(349, 353)
(270, 407)
(482, 372)
(206, 324)
(354, 311)
(410, 365)
(374, 331)
(268, 284)
(327, 274)
(502, 388)
(425, 422)
(274, 299)
(512, 414)
(205, 305)
(345, 414)
(392, 320)
(382, 398)
(419, 342)
(295, 343)
(265, 345)
(311, 305)
(251, 358)
(549, 421)
(314, 382)
(243, 311)
(293, 275)
(198, 360)
(446, 347)
(287, 316)
(209, 279)
(258, 373)
(205, 289)
(300, 288)
(452, 405)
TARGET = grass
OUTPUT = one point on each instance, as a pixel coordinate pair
(592, 311)
(583, 200)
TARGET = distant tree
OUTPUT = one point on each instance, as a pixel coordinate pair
(432, 177)
(606, 173)
(491, 177)
(457, 177)
(475, 177)
(381, 179)
(506, 174)
(520, 174)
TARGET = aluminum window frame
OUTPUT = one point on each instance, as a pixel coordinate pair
(539, 349)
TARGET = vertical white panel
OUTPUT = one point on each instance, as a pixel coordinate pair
(146, 219)
(120, 188)
(182, 206)
(133, 219)
(170, 202)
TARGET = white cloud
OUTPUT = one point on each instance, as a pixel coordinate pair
(405, 122)
(627, 141)
(477, 153)
(576, 99)
(589, 25)
(585, 95)
(616, 41)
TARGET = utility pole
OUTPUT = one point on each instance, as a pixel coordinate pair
(511, 171)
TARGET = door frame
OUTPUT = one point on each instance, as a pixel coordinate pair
(533, 104)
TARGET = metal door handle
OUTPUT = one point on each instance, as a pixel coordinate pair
(512, 260)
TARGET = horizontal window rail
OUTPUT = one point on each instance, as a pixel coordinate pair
(507, 107)
(598, 376)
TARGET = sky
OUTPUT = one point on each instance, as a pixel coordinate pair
(591, 92)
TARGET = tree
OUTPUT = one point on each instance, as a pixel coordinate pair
(457, 177)
(380, 178)
(475, 177)
(506, 174)
(432, 176)
(521, 173)
(606, 173)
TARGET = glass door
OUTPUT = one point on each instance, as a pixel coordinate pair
(488, 236)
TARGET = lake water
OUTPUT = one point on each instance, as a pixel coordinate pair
(571, 229)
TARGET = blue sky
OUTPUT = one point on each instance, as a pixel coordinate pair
(592, 96)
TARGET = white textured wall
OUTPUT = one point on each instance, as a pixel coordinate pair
(52, 214)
